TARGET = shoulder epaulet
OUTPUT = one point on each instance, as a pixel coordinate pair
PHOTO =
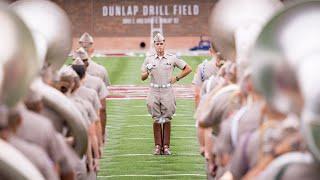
(169, 54)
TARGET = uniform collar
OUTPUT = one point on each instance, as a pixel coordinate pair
(164, 56)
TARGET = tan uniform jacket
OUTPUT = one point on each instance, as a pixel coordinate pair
(230, 129)
(210, 84)
(162, 67)
(56, 119)
(73, 159)
(251, 120)
(37, 156)
(89, 95)
(219, 107)
(224, 142)
(86, 109)
(161, 101)
(98, 70)
(96, 84)
(205, 70)
(260, 143)
(37, 129)
(245, 156)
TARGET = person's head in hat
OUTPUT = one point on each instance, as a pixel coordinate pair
(83, 55)
(86, 42)
(159, 44)
(69, 81)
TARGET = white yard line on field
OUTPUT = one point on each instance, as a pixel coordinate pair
(146, 115)
(130, 92)
(130, 155)
(153, 175)
(171, 138)
(130, 126)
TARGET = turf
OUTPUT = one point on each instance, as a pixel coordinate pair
(128, 153)
(130, 144)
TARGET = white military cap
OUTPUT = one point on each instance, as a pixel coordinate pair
(158, 37)
(66, 71)
(80, 53)
(86, 37)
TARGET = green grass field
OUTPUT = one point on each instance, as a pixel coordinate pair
(128, 153)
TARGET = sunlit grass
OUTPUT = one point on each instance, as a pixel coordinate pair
(130, 143)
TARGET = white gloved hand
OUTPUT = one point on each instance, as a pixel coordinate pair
(149, 67)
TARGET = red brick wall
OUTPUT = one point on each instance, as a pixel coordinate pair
(109, 32)
(87, 15)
